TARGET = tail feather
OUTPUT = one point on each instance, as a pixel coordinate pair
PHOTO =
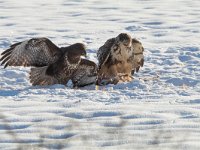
(38, 76)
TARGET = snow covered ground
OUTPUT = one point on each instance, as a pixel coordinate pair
(160, 109)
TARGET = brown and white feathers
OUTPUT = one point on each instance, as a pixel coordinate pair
(138, 58)
(59, 72)
(55, 65)
(118, 57)
(33, 52)
(85, 74)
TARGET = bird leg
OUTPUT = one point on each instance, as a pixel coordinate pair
(75, 86)
(102, 80)
(98, 80)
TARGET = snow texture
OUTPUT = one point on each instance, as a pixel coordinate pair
(159, 109)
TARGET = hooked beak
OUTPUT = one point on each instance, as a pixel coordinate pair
(84, 55)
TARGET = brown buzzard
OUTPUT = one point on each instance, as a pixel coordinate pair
(53, 65)
(118, 59)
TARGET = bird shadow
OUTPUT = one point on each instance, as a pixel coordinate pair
(9, 92)
(5, 92)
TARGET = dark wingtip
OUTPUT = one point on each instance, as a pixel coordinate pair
(6, 60)
(5, 65)
(5, 56)
(11, 48)
(14, 45)
(6, 51)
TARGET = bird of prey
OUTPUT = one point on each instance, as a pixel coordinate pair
(118, 58)
(52, 65)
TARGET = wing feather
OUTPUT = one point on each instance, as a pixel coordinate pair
(137, 58)
(85, 74)
(104, 52)
(33, 52)
(38, 76)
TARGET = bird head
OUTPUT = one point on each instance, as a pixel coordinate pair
(75, 51)
(124, 39)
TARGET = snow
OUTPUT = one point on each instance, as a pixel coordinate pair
(159, 109)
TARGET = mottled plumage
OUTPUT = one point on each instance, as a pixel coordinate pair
(138, 59)
(33, 52)
(59, 72)
(118, 58)
(85, 74)
(54, 65)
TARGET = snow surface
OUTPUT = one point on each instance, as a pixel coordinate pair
(160, 109)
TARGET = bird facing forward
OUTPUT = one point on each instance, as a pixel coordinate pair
(118, 58)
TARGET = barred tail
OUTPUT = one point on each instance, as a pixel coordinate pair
(38, 76)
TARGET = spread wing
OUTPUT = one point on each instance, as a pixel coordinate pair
(138, 56)
(33, 52)
(59, 72)
(104, 52)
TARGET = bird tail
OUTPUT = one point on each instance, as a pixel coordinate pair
(38, 76)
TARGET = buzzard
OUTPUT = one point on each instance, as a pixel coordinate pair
(119, 58)
(52, 65)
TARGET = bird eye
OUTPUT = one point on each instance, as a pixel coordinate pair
(115, 48)
(34, 42)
